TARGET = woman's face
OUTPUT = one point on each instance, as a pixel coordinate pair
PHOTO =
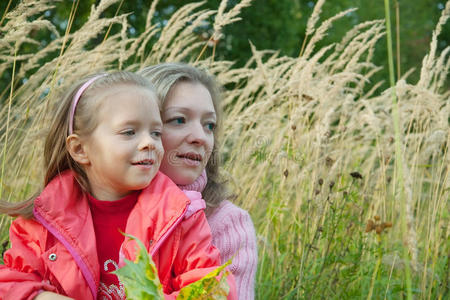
(189, 119)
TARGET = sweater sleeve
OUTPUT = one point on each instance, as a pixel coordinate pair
(234, 235)
(197, 256)
(20, 276)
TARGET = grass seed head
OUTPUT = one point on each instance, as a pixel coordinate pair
(356, 175)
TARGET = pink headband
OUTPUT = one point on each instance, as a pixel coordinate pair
(77, 97)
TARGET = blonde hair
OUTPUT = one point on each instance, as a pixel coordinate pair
(164, 77)
(56, 155)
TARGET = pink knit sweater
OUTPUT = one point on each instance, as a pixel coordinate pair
(233, 234)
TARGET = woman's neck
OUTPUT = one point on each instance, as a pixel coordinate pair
(198, 185)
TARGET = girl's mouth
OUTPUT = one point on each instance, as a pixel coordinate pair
(144, 162)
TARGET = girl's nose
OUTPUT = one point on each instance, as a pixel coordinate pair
(147, 142)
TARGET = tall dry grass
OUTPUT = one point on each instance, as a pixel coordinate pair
(308, 145)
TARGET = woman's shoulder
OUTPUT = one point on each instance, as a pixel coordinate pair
(227, 214)
(225, 209)
(233, 232)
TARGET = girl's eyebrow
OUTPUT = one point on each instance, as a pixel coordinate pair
(154, 123)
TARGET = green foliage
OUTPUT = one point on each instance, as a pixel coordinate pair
(273, 24)
(141, 282)
(208, 287)
(140, 278)
(295, 130)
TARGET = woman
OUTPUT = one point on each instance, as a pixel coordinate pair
(191, 115)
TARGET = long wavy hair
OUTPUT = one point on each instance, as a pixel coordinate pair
(164, 77)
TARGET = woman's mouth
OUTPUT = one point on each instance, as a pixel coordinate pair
(190, 158)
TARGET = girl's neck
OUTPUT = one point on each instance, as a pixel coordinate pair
(108, 195)
(132, 194)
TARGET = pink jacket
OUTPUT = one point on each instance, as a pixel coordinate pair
(56, 250)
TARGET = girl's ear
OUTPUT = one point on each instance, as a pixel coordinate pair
(76, 149)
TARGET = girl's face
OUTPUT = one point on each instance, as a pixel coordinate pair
(189, 120)
(125, 149)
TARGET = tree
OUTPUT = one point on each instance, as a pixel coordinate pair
(274, 24)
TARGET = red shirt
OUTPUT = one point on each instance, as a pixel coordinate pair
(110, 219)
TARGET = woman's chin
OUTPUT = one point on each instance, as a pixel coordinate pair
(183, 177)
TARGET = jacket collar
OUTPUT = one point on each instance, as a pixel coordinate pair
(63, 209)
(160, 207)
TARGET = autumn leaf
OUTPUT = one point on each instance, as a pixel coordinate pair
(209, 287)
(141, 282)
(140, 278)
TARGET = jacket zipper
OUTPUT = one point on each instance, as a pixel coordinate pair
(78, 260)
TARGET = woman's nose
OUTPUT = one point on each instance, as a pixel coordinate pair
(196, 134)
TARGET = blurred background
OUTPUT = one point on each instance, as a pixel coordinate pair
(272, 24)
(346, 181)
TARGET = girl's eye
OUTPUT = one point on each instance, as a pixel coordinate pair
(156, 134)
(128, 132)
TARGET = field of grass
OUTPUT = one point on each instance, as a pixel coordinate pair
(348, 188)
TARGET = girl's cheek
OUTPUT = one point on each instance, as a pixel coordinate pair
(160, 152)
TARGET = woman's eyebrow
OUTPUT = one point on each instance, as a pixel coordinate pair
(186, 109)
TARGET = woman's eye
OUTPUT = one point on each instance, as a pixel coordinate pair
(211, 126)
(176, 121)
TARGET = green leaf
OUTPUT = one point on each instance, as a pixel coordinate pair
(141, 282)
(140, 278)
(208, 288)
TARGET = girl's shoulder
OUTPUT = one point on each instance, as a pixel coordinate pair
(27, 226)
(24, 232)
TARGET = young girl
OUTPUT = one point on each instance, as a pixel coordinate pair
(191, 115)
(102, 156)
